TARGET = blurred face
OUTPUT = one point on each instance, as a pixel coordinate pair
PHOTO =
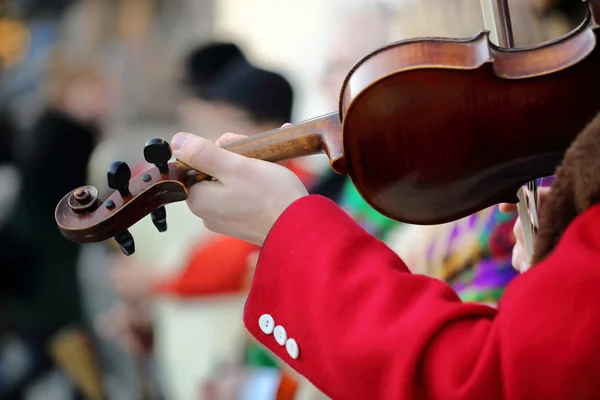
(333, 78)
(359, 34)
(212, 119)
(87, 99)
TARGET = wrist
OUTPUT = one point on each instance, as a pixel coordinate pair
(275, 217)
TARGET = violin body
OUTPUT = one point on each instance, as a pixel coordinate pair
(437, 129)
(429, 130)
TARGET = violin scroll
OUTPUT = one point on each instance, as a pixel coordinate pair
(83, 217)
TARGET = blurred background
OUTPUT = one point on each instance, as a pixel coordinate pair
(87, 82)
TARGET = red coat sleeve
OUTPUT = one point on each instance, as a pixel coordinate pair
(367, 328)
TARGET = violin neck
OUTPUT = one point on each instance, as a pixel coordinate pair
(496, 17)
(314, 136)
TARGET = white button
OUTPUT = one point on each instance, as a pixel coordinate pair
(280, 335)
(266, 323)
(292, 348)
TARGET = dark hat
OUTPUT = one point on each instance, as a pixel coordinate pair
(266, 95)
(206, 62)
(221, 72)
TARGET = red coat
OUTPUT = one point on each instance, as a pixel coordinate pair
(367, 328)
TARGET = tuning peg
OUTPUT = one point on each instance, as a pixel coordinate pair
(118, 176)
(159, 219)
(125, 242)
(158, 152)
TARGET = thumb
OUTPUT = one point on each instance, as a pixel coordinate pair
(227, 138)
(205, 156)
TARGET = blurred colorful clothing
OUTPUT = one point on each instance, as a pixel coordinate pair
(479, 267)
(473, 254)
(372, 221)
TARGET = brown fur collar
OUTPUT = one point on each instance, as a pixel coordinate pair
(576, 188)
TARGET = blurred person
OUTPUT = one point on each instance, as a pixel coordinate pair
(14, 366)
(212, 75)
(51, 159)
(347, 46)
(9, 189)
(197, 283)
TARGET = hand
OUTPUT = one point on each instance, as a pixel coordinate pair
(130, 280)
(247, 196)
(519, 255)
(129, 326)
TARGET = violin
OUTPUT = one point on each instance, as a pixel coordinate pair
(429, 130)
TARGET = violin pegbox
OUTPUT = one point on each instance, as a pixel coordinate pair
(118, 177)
(82, 217)
(158, 152)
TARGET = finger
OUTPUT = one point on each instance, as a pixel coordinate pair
(205, 156)
(519, 259)
(518, 231)
(507, 208)
(229, 138)
(201, 197)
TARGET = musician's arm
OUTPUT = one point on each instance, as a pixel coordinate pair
(366, 328)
